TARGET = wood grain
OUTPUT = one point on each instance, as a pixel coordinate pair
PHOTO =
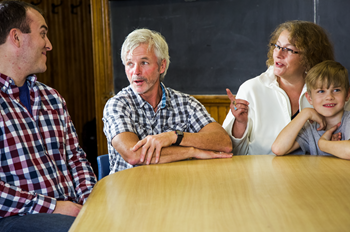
(70, 63)
(244, 193)
(102, 65)
(218, 106)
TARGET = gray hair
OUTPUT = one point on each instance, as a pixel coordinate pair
(154, 40)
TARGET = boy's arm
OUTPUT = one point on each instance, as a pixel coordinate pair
(286, 140)
(340, 149)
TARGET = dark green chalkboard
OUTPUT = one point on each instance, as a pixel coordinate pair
(218, 44)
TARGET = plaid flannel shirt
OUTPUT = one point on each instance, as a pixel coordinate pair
(128, 112)
(41, 161)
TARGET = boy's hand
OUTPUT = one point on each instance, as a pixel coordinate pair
(313, 116)
(328, 135)
(336, 137)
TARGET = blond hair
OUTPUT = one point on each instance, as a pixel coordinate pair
(325, 74)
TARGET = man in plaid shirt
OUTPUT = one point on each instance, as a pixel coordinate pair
(45, 177)
(148, 123)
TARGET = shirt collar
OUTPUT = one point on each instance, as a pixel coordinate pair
(7, 82)
(164, 97)
(165, 100)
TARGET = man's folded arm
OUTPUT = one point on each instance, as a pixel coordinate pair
(15, 201)
(124, 143)
(211, 137)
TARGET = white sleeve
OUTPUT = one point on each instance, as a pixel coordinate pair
(240, 145)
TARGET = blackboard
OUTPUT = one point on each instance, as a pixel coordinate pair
(219, 44)
(335, 18)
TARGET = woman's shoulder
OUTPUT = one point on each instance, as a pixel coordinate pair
(265, 79)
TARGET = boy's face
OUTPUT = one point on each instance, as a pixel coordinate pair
(328, 102)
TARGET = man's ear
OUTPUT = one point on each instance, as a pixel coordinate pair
(308, 97)
(14, 37)
(162, 66)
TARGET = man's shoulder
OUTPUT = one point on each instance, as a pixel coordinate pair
(123, 100)
(126, 91)
(175, 94)
(49, 91)
(123, 95)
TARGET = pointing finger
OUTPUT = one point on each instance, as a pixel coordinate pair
(230, 95)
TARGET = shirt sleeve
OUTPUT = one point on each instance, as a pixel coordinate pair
(240, 145)
(82, 173)
(15, 201)
(118, 118)
(199, 116)
(303, 138)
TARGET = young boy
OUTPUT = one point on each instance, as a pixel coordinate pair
(324, 130)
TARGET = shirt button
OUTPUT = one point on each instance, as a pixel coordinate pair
(17, 100)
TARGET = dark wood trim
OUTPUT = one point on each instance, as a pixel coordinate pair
(213, 99)
(102, 55)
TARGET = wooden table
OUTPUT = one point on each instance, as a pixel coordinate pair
(243, 193)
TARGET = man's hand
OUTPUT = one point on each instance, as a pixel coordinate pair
(205, 154)
(153, 144)
(67, 208)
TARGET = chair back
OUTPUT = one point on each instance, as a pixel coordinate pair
(103, 166)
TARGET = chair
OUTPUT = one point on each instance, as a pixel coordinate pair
(103, 166)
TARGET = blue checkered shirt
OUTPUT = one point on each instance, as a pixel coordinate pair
(40, 158)
(128, 112)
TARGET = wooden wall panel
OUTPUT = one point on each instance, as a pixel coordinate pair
(102, 65)
(217, 105)
(70, 63)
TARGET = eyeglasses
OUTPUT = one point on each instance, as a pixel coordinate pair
(277, 48)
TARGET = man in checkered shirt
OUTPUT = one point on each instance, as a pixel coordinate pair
(45, 177)
(147, 123)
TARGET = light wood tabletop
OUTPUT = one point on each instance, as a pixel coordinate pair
(243, 193)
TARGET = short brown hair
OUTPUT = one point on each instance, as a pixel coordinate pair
(325, 74)
(13, 14)
(309, 38)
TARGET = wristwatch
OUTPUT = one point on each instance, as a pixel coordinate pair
(180, 136)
